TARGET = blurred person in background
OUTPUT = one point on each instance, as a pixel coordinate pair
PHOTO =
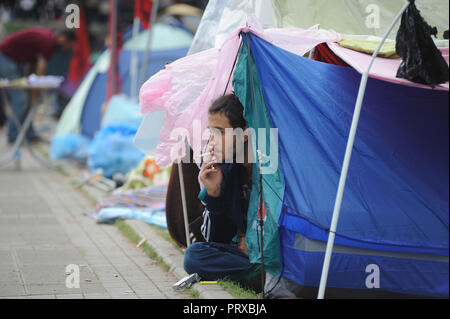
(30, 48)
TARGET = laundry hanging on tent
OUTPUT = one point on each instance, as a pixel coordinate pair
(384, 69)
(387, 50)
(421, 60)
(322, 53)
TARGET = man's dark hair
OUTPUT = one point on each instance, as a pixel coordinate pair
(230, 106)
(69, 34)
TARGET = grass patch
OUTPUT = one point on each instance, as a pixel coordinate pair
(237, 291)
(166, 236)
(86, 195)
(134, 237)
(63, 172)
(41, 150)
(194, 293)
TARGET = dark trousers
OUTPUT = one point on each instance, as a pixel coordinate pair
(18, 99)
(213, 261)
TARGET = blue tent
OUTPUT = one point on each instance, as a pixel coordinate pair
(395, 210)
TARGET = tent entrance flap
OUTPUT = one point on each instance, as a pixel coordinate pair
(247, 87)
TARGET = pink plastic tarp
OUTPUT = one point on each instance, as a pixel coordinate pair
(186, 88)
(382, 68)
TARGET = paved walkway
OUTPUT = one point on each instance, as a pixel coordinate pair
(43, 230)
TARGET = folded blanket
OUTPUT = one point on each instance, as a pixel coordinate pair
(369, 46)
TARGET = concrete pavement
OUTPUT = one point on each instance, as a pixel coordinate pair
(43, 231)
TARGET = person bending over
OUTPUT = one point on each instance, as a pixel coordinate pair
(30, 48)
(226, 195)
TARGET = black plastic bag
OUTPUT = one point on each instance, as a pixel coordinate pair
(422, 62)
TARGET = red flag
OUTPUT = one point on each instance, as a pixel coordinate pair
(113, 85)
(80, 61)
(143, 10)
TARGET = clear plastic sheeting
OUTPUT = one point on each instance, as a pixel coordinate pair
(221, 18)
(146, 139)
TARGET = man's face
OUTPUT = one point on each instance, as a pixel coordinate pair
(218, 124)
(64, 43)
(222, 137)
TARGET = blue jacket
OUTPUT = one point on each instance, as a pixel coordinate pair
(225, 216)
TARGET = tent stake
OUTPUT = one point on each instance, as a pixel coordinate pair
(348, 154)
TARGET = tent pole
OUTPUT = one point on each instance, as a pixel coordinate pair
(261, 223)
(113, 46)
(311, 53)
(348, 154)
(134, 61)
(183, 202)
(149, 42)
(261, 201)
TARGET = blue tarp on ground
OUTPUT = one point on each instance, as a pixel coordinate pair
(396, 200)
(112, 149)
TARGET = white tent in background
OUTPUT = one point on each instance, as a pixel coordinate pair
(221, 18)
(362, 17)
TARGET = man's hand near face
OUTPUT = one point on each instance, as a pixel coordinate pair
(211, 176)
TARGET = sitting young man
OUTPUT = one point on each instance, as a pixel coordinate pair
(226, 195)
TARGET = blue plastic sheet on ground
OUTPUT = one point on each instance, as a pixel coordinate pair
(113, 151)
(73, 146)
(154, 217)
